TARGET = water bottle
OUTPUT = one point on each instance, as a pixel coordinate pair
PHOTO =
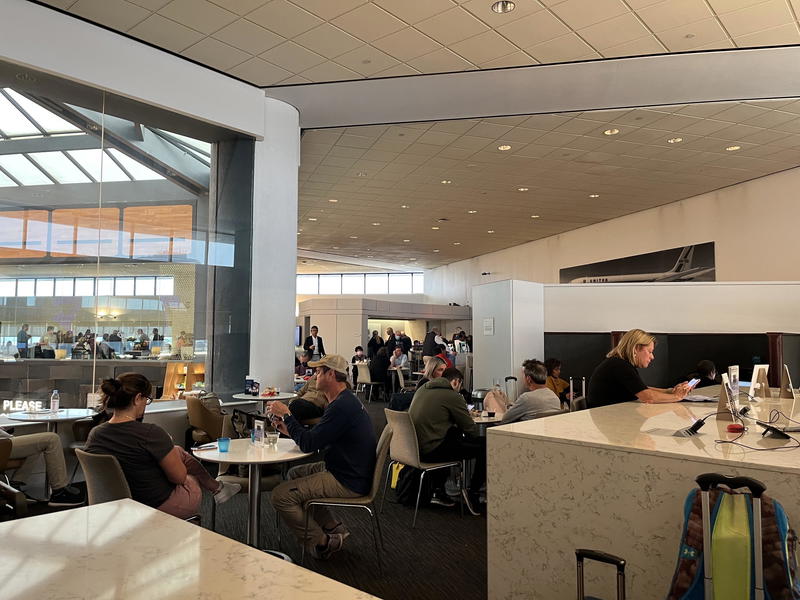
(55, 399)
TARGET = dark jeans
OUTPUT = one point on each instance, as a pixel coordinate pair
(456, 446)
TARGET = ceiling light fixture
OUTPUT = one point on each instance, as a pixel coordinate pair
(335, 247)
(674, 140)
(406, 241)
(594, 195)
(522, 189)
(412, 259)
(361, 174)
(733, 148)
(436, 250)
(456, 243)
(376, 224)
(353, 237)
(504, 147)
(611, 131)
(490, 231)
(503, 6)
(472, 212)
(534, 216)
(446, 181)
(312, 218)
(404, 206)
(334, 200)
(434, 228)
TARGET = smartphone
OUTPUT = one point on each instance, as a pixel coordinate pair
(693, 383)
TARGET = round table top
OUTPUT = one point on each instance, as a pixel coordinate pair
(244, 452)
(487, 420)
(281, 396)
(64, 414)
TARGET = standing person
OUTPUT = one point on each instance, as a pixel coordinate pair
(314, 344)
(157, 337)
(22, 341)
(378, 369)
(375, 343)
(391, 342)
(559, 386)
(431, 342)
(617, 379)
(159, 473)
(406, 342)
(540, 398)
(348, 437)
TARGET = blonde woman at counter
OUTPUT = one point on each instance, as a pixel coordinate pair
(617, 379)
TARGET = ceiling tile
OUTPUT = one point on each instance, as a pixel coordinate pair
(578, 14)
(398, 70)
(490, 131)
(484, 46)
(369, 22)
(240, 7)
(624, 28)
(406, 44)
(637, 4)
(366, 60)
(483, 10)
(284, 18)
(439, 61)
(259, 72)
(327, 9)
(413, 11)
(62, 4)
(248, 36)
(198, 14)
(739, 112)
(216, 54)
(674, 13)
(452, 26)
(756, 18)
(533, 29)
(771, 118)
(723, 6)
(117, 14)
(777, 36)
(689, 37)
(515, 59)
(565, 48)
(640, 47)
(165, 33)
(716, 45)
(292, 57)
(330, 71)
(148, 4)
(328, 40)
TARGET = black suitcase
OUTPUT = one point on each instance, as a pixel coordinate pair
(582, 553)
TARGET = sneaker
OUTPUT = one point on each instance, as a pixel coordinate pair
(335, 543)
(66, 496)
(465, 499)
(226, 492)
(338, 528)
(442, 500)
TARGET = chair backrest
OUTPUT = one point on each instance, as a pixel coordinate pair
(5, 452)
(81, 429)
(363, 375)
(381, 452)
(202, 418)
(579, 403)
(550, 413)
(105, 480)
(401, 378)
(404, 447)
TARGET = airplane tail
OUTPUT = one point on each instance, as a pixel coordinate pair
(684, 261)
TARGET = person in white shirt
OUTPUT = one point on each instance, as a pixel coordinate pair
(314, 344)
(537, 400)
(398, 359)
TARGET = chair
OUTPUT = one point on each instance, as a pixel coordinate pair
(11, 498)
(80, 431)
(6, 462)
(404, 449)
(364, 502)
(365, 379)
(402, 381)
(551, 413)
(578, 403)
(206, 426)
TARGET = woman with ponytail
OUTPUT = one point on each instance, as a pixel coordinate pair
(159, 473)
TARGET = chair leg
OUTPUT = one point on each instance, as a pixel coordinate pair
(74, 471)
(380, 531)
(419, 493)
(303, 541)
(374, 519)
(213, 515)
(369, 395)
(386, 484)
(278, 529)
(463, 484)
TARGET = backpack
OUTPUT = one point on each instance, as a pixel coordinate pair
(408, 486)
(731, 518)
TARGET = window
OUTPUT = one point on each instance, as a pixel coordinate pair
(8, 287)
(45, 287)
(145, 286)
(330, 284)
(400, 283)
(165, 286)
(360, 283)
(419, 283)
(353, 284)
(124, 286)
(26, 287)
(105, 286)
(84, 286)
(65, 287)
(308, 284)
(376, 283)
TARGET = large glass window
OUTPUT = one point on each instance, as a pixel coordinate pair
(361, 283)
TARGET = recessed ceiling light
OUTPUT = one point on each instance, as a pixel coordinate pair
(434, 228)
(522, 189)
(490, 231)
(404, 206)
(299, 232)
(504, 147)
(674, 140)
(335, 247)
(353, 237)
(611, 131)
(456, 243)
(436, 250)
(446, 181)
(594, 195)
(312, 218)
(376, 224)
(733, 148)
(534, 216)
(406, 241)
(334, 200)
(472, 212)
(361, 174)
(503, 6)
(369, 255)
(412, 259)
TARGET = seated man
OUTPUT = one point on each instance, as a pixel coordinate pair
(446, 431)
(398, 359)
(346, 433)
(302, 366)
(49, 446)
(310, 402)
(539, 399)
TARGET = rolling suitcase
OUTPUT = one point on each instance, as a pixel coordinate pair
(581, 554)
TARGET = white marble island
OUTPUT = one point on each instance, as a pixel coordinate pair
(612, 479)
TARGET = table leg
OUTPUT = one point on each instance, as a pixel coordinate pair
(254, 494)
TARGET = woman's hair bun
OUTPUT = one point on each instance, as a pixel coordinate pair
(110, 387)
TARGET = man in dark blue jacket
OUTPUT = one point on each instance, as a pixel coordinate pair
(347, 435)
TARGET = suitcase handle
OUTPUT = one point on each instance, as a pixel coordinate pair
(610, 559)
(706, 481)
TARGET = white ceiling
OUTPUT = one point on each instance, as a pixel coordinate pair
(373, 172)
(271, 42)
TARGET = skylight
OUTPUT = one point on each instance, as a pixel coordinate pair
(60, 167)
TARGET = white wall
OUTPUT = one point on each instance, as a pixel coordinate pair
(754, 225)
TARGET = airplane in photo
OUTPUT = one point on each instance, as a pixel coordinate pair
(682, 271)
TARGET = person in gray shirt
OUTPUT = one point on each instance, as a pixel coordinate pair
(537, 400)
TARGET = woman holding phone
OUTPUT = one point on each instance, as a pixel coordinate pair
(617, 379)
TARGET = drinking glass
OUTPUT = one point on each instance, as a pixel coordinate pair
(224, 444)
(272, 439)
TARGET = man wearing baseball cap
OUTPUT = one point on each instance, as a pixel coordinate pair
(346, 432)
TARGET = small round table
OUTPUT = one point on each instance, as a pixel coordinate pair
(281, 396)
(487, 420)
(242, 451)
(53, 418)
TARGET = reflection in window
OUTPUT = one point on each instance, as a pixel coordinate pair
(8, 287)
(105, 286)
(165, 286)
(26, 287)
(124, 286)
(65, 287)
(23, 170)
(45, 287)
(145, 286)
(84, 286)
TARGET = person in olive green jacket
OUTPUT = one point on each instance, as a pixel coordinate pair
(446, 431)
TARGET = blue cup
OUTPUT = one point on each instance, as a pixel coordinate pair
(224, 444)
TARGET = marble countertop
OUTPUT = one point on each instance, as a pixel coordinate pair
(124, 549)
(648, 429)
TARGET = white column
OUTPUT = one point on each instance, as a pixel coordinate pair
(272, 310)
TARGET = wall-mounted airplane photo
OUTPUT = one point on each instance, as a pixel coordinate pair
(689, 263)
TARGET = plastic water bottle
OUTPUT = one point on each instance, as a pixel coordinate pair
(55, 399)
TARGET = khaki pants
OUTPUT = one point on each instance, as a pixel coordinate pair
(47, 444)
(307, 482)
